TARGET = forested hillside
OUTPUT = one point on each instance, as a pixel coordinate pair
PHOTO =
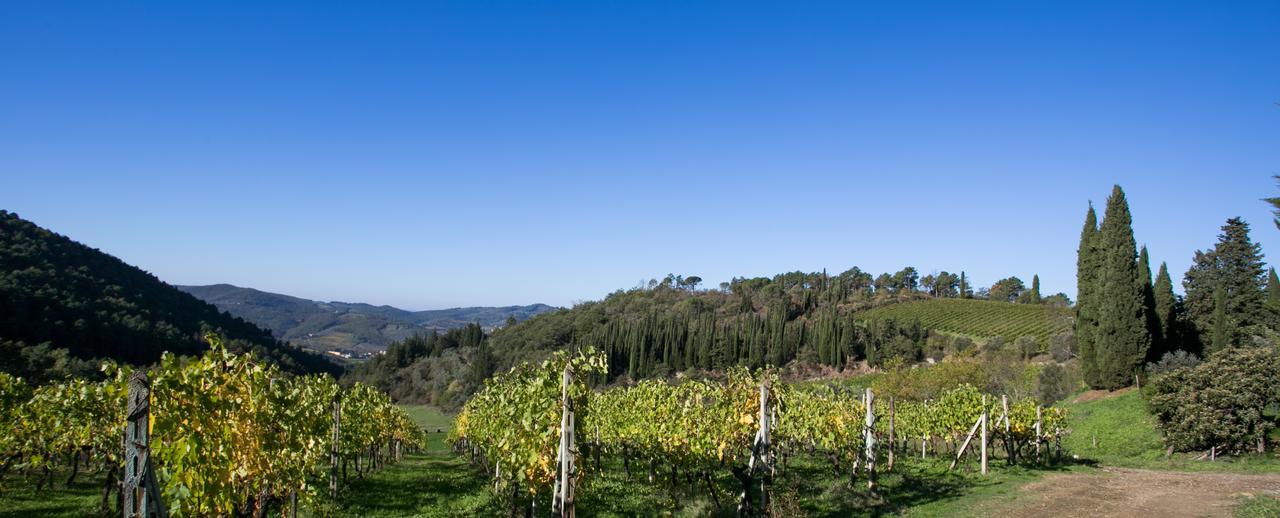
(65, 302)
(343, 326)
(810, 321)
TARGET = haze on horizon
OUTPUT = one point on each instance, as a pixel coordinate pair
(439, 155)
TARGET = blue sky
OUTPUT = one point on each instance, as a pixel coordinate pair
(430, 155)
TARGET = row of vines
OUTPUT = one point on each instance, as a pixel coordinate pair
(697, 428)
(979, 317)
(230, 435)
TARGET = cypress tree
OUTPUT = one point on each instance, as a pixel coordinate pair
(1086, 313)
(1123, 338)
(1149, 306)
(964, 286)
(1166, 312)
(1034, 298)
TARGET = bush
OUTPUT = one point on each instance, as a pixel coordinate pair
(1219, 403)
(1027, 346)
(1053, 384)
(1172, 361)
(1062, 346)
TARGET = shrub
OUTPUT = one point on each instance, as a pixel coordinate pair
(1172, 361)
(1053, 384)
(1027, 346)
(1062, 346)
(1219, 403)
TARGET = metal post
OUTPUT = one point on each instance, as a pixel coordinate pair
(141, 493)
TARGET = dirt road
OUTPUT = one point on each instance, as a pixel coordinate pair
(1133, 492)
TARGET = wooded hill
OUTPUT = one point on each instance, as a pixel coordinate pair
(345, 326)
(671, 326)
(66, 303)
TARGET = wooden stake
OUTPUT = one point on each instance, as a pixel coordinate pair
(984, 435)
(869, 439)
(965, 445)
(889, 467)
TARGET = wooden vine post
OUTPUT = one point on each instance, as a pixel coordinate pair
(889, 467)
(333, 449)
(1010, 448)
(984, 434)
(563, 491)
(869, 439)
(760, 456)
(141, 493)
(1038, 433)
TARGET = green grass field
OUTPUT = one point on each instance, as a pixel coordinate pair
(1127, 437)
(979, 318)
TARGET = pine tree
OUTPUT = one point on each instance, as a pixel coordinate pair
(1149, 306)
(1273, 293)
(1221, 336)
(1166, 305)
(1123, 338)
(1235, 265)
(1086, 313)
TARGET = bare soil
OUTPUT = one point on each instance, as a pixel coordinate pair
(1094, 395)
(1133, 492)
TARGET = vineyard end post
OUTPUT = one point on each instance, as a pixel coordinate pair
(985, 415)
(139, 488)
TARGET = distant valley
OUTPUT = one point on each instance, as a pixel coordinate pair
(355, 328)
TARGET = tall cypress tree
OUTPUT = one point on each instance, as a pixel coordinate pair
(1123, 338)
(1235, 265)
(964, 286)
(1034, 298)
(1149, 306)
(1166, 312)
(1086, 314)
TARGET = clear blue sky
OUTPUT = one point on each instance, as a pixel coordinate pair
(430, 155)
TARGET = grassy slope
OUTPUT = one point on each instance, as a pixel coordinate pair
(979, 318)
(1127, 437)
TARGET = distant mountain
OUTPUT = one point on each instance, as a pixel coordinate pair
(61, 300)
(342, 326)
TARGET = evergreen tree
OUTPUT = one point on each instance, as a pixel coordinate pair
(1166, 305)
(965, 292)
(1149, 306)
(1035, 289)
(1123, 338)
(1086, 314)
(1235, 265)
(1273, 293)
(1221, 336)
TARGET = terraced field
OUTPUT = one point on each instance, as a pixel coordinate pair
(980, 318)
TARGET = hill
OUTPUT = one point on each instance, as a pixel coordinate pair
(809, 322)
(980, 318)
(342, 326)
(64, 301)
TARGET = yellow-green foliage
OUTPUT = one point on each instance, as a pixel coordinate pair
(979, 318)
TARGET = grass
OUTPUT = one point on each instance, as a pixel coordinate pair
(979, 318)
(1127, 437)
(435, 422)
(18, 497)
(440, 483)
(1258, 507)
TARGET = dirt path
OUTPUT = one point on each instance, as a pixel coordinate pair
(1134, 492)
